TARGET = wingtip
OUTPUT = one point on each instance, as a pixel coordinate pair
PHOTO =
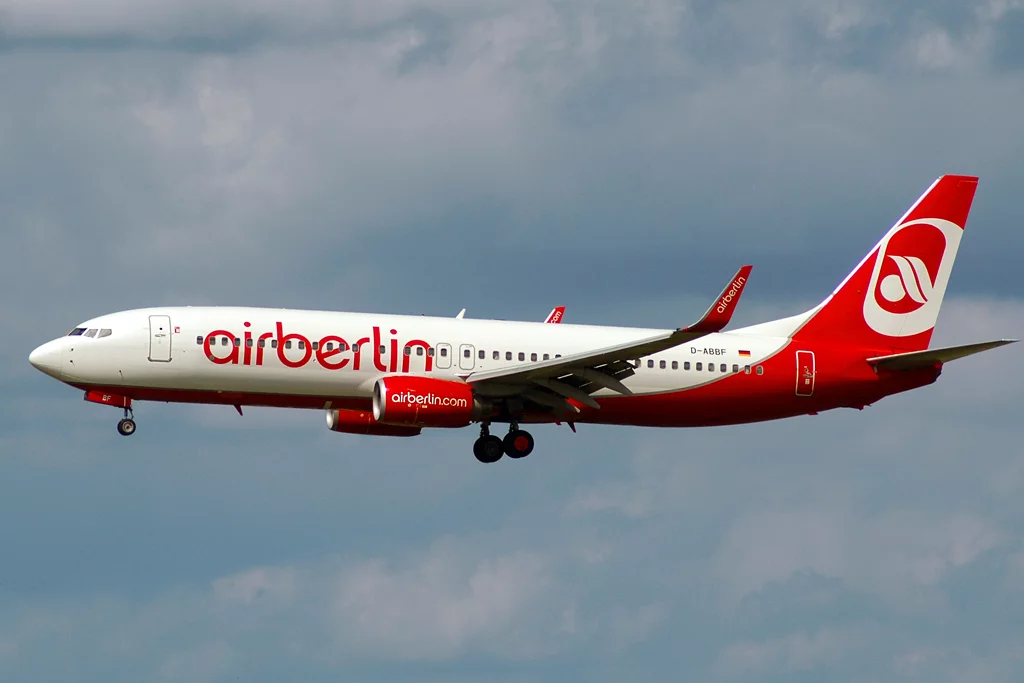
(720, 313)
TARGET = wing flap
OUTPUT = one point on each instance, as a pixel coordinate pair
(916, 360)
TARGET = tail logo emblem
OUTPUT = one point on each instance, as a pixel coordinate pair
(913, 280)
(912, 267)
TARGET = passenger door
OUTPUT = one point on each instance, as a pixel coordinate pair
(160, 338)
(805, 373)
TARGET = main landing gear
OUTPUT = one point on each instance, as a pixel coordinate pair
(126, 427)
(517, 444)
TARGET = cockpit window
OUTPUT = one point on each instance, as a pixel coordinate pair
(91, 332)
(105, 332)
(77, 332)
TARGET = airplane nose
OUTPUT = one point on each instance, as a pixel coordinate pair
(47, 358)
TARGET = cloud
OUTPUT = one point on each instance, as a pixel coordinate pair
(440, 608)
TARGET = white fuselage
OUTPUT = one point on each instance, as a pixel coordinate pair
(257, 351)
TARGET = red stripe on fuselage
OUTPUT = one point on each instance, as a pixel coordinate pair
(843, 379)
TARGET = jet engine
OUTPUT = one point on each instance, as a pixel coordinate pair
(363, 422)
(425, 402)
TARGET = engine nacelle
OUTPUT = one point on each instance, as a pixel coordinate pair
(425, 402)
(363, 422)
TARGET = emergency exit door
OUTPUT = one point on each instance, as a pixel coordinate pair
(805, 373)
(160, 338)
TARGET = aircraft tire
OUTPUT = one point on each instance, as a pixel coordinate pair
(518, 443)
(126, 427)
(488, 449)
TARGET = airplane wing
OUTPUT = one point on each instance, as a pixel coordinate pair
(555, 316)
(578, 375)
(916, 360)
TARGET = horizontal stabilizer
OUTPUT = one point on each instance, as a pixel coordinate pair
(929, 357)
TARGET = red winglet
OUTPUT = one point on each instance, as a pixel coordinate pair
(555, 316)
(720, 313)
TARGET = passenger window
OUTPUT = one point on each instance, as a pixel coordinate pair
(90, 333)
(760, 370)
(686, 365)
(558, 355)
(273, 343)
(661, 365)
(248, 343)
(288, 344)
(746, 369)
(316, 345)
(522, 356)
(419, 350)
(262, 343)
(496, 355)
(408, 351)
(355, 348)
(223, 341)
(302, 345)
(199, 340)
(466, 353)
(482, 355)
(105, 332)
(533, 356)
(547, 356)
(723, 368)
(383, 349)
(675, 365)
(650, 363)
(77, 332)
(700, 366)
(444, 352)
(711, 367)
(508, 355)
(430, 352)
(735, 368)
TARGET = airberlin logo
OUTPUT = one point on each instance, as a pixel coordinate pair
(410, 399)
(734, 290)
(913, 280)
(910, 274)
(333, 352)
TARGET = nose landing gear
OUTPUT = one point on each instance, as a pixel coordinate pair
(126, 427)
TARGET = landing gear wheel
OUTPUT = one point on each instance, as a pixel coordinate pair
(488, 449)
(518, 443)
(126, 427)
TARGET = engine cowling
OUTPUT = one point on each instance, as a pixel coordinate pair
(363, 422)
(425, 402)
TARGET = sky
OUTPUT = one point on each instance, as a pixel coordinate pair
(618, 157)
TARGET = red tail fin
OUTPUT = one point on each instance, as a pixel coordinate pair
(891, 299)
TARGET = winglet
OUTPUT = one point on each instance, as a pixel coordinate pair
(461, 313)
(720, 313)
(555, 316)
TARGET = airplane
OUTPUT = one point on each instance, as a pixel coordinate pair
(395, 375)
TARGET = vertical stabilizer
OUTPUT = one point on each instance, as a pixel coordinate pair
(891, 300)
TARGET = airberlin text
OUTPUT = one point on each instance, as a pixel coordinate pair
(331, 352)
(734, 290)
